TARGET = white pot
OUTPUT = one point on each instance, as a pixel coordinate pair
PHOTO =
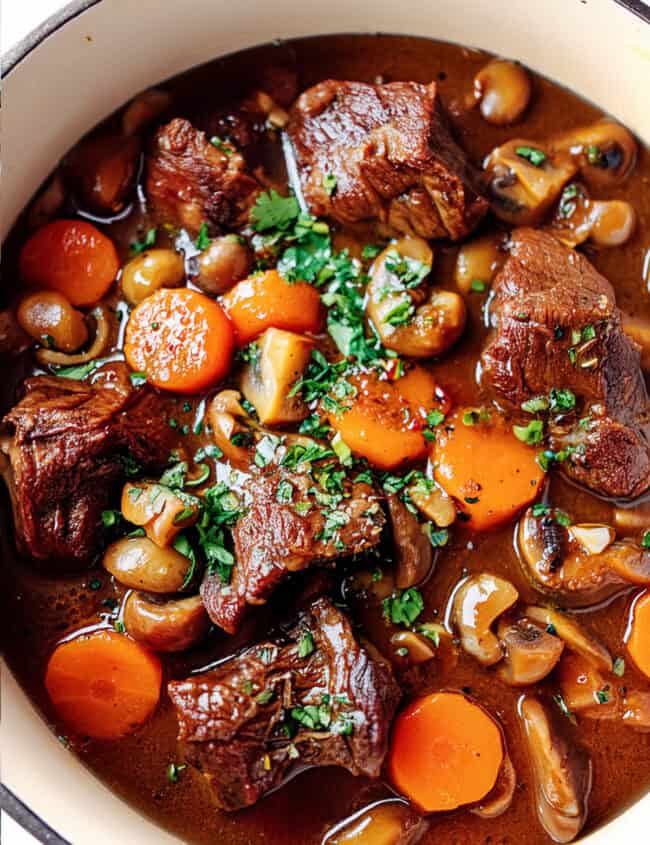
(92, 57)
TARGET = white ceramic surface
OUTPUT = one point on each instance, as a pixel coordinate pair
(100, 58)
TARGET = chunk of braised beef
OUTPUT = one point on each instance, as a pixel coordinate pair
(191, 181)
(384, 152)
(558, 327)
(274, 538)
(70, 444)
(312, 696)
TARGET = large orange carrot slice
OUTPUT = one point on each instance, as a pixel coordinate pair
(638, 635)
(482, 464)
(446, 751)
(103, 685)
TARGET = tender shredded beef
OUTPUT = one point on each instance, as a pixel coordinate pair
(191, 181)
(557, 326)
(70, 443)
(273, 539)
(312, 696)
(384, 152)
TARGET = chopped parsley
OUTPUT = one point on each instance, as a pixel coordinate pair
(478, 285)
(138, 379)
(149, 240)
(272, 211)
(78, 372)
(532, 155)
(306, 644)
(111, 518)
(561, 399)
(602, 695)
(174, 771)
(437, 536)
(561, 703)
(530, 434)
(645, 540)
(370, 251)
(202, 241)
(409, 271)
(223, 146)
(619, 667)
(404, 606)
(540, 509)
(329, 184)
(284, 492)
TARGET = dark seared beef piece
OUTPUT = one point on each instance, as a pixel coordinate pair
(557, 325)
(392, 155)
(190, 181)
(413, 549)
(312, 696)
(67, 454)
(272, 539)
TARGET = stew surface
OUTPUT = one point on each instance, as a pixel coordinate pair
(330, 492)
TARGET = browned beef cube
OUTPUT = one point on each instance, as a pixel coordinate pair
(68, 451)
(191, 181)
(273, 539)
(310, 697)
(390, 156)
(557, 326)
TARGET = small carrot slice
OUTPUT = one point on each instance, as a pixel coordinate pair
(638, 633)
(180, 339)
(72, 257)
(483, 465)
(266, 301)
(103, 685)
(446, 751)
(384, 421)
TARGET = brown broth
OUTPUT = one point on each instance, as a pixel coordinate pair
(38, 610)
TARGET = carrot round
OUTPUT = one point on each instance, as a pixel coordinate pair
(266, 301)
(180, 339)
(446, 751)
(638, 633)
(103, 685)
(483, 465)
(72, 257)
(385, 420)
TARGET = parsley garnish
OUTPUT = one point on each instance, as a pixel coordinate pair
(138, 379)
(530, 434)
(271, 211)
(220, 144)
(329, 183)
(531, 154)
(202, 241)
(149, 240)
(404, 607)
(284, 492)
(79, 372)
(306, 644)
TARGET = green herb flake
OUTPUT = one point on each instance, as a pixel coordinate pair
(530, 434)
(329, 184)
(438, 537)
(532, 155)
(540, 509)
(619, 667)
(265, 696)
(478, 285)
(561, 703)
(272, 211)
(404, 606)
(111, 518)
(284, 492)
(223, 146)
(370, 251)
(118, 627)
(174, 771)
(79, 372)
(202, 241)
(149, 240)
(306, 644)
(138, 379)
(561, 399)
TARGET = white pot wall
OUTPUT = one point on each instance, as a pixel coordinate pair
(99, 59)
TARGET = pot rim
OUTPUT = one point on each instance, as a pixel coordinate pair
(20, 51)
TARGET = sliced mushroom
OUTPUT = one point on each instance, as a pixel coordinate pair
(523, 191)
(562, 774)
(480, 600)
(140, 564)
(99, 346)
(477, 263)
(143, 109)
(604, 151)
(634, 518)
(531, 652)
(227, 419)
(162, 512)
(584, 688)
(167, 626)
(638, 329)
(575, 637)
(413, 549)
(577, 218)
(574, 564)
(503, 90)
(281, 358)
(407, 318)
(103, 169)
(500, 798)
(431, 500)
(419, 649)
(391, 822)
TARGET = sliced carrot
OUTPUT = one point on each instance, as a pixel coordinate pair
(72, 257)
(385, 420)
(483, 465)
(638, 633)
(180, 339)
(446, 751)
(103, 685)
(266, 301)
